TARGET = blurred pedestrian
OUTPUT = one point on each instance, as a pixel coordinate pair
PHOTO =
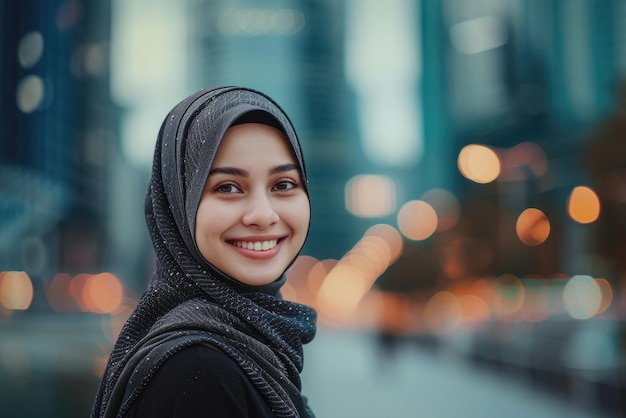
(228, 212)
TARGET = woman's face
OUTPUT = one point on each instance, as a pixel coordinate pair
(254, 214)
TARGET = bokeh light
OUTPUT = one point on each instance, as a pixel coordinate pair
(583, 205)
(30, 93)
(102, 293)
(16, 290)
(532, 227)
(30, 49)
(417, 220)
(582, 297)
(479, 163)
(370, 196)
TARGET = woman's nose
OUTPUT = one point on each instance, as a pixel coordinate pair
(260, 212)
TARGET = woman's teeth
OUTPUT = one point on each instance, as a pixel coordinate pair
(256, 245)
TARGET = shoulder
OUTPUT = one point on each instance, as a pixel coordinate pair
(197, 380)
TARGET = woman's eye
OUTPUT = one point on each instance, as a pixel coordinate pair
(285, 185)
(227, 188)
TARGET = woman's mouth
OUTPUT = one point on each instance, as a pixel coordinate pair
(255, 245)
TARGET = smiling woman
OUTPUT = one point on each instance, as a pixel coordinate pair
(228, 211)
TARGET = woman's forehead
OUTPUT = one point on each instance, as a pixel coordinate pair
(254, 141)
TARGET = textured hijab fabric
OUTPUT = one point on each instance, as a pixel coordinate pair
(189, 301)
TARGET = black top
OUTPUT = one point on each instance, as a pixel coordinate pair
(199, 381)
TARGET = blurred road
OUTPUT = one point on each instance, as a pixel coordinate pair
(53, 359)
(345, 376)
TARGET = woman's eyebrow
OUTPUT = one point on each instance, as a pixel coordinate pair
(233, 171)
(283, 168)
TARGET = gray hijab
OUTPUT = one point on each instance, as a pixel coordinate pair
(189, 301)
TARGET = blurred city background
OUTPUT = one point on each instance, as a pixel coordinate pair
(467, 253)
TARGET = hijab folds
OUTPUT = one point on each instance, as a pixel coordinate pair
(188, 300)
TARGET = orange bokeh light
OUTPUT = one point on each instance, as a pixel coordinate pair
(16, 290)
(479, 163)
(102, 293)
(583, 205)
(417, 220)
(533, 227)
(370, 196)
